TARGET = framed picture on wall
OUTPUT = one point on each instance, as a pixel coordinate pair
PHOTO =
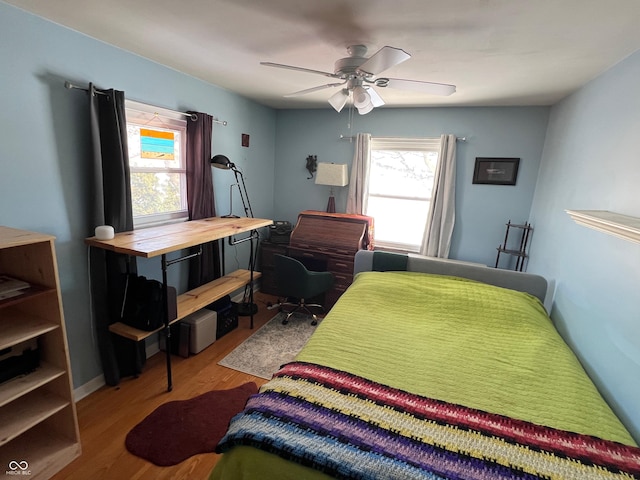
(496, 171)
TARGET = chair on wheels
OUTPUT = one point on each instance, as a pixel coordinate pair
(295, 281)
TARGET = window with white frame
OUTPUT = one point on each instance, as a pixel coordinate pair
(401, 178)
(157, 145)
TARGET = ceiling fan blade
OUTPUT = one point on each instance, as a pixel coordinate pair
(417, 86)
(300, 69)
(384, 58)
(376, 100)
(314, 89)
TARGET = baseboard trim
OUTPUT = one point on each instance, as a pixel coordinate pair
(151, 350)
(88, 388)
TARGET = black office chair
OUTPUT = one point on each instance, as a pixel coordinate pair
(295, 281)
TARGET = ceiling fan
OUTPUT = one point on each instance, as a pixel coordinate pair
(359, 74)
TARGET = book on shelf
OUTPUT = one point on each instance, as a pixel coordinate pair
(11, 287)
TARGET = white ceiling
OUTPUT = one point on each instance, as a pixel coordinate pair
(497, 52)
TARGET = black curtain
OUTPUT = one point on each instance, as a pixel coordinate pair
(111, 199)
(206, 267)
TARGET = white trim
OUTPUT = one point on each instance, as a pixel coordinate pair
(146, 108)
(88, 388)
(400, 197)
(407, 144)
(397, 247)
(147, 221)
(98, 382)
(622, 226)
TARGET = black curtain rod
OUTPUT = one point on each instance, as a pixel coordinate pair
(70, 85)
(192, 116)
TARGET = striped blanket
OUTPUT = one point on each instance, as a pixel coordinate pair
(350, 427)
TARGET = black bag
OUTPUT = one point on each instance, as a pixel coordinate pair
(143, 307)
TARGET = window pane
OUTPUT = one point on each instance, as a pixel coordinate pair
(402, 173)
(155, 147)
(156, 144)
(154, 193)
(398, 221)
(401, 178)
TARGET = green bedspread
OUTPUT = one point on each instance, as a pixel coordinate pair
(450, 339)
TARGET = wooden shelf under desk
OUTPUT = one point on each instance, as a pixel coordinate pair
(192, 301)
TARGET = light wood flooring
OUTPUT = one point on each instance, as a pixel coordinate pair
(107, 415)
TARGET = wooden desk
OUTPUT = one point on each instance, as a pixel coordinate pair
(329, 241)
(155, 241)
(158, 241)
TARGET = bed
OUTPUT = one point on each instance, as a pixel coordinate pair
(430, 369)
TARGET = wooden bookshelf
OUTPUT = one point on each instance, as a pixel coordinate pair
(38, 420)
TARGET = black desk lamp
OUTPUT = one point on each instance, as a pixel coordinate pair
(246, 307)
(223, 162)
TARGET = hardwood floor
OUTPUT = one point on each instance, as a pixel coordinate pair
(107, 415)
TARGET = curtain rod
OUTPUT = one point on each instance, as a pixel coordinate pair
(192, 116)
(351, 138)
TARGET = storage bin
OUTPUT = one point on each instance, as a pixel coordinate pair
(202, 329)
(227, 315)
(227, 320)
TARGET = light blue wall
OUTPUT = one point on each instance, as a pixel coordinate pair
(481, 210)
(591, 161)
(45, 148)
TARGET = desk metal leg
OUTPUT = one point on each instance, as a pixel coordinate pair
(167, 328)
(254, 235)
(251, 268)
(165, 293)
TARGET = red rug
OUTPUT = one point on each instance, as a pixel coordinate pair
(180, 429)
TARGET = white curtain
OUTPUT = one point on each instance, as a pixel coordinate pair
(437, 237)
(359, 181)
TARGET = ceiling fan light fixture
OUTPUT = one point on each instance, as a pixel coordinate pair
(365, 109)
(361, 97)
(339, 99)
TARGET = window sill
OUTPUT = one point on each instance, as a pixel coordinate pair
(396, 248)
(158, 223)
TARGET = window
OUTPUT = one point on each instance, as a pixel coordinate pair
(401, 178)
(157, 145)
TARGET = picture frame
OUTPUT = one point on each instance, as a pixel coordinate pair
(496, 171)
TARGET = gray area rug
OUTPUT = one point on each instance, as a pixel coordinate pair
(271, 346)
